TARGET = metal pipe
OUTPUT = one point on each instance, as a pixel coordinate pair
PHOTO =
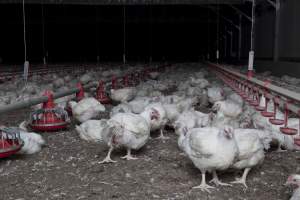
(289, 95)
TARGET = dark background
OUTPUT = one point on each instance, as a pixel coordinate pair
(78, 33)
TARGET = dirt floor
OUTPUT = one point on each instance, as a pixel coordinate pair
(68, 168)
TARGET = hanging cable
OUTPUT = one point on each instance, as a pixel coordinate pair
(208, 36)
(24, 29)
(150, 40)
(251, 53)
(218, 21)
(252, 24)
(43, 32)
(124, 35)
(97, 32)
(26, 63)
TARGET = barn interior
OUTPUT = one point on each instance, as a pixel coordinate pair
(128, 99)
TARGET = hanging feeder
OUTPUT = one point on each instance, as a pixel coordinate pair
(49, 118)
(255, 100)
(101, 96)
(125, 81)
(297, 138)
(10, 142)
(114, 82)
(80, 93)
(286, 130)
(262, 103)
(275, 120)
(267, 113)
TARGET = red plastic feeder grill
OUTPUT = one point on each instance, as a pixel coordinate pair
(274, 120)
(79, 97)
(286, 130)
(125, 81)
(49, 118)
(10, 142)
(259, 107)
(101, 96)
(267, 113)
(114, 82)
(297, 140)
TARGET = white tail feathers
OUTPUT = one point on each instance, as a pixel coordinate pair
(23, 126)
(33, 142)
(265, 137)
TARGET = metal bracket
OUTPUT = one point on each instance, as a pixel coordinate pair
(275, 4)
(241, 13)
(226, 19)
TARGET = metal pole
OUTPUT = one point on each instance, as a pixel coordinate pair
(124, 35)
(276, 31)
(251, 53)
(240, 37)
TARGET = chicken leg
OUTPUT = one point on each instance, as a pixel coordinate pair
(203, 186)
(129, 156)
(242, 180)
(107, 159)
(162, 135)
(216, 180)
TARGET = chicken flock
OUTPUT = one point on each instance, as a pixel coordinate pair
(216, 129)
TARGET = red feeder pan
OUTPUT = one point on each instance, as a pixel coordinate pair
(49, 118)
(276, 121)
(101, 96)
(297, 141)
(289, 131)
(10, 142)
(267, 114)
(260, 108)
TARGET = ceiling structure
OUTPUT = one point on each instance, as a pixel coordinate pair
(125, 2)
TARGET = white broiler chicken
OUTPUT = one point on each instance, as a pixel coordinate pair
(210, 149)
(33, 142)
(191, 119)
(215, 94)
(121, 108)
(86, 109)
(173, 111)
(294, 179)
(128, 130)
(161, 119)
(228, 108)
(227, 114)
(92, 130)
(251, 150)
(123, 95)
(138, 104)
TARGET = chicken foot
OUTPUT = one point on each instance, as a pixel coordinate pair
(129, 156)
(204, 186)
(217, 181)
(108, 159)
(162, 135)
(242, 180)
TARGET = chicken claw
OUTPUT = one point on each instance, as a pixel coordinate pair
(240, 181)
(243, 179)
(162, 136)
(107, 159)
(129, 156)
(216, 180)
(204, 187)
